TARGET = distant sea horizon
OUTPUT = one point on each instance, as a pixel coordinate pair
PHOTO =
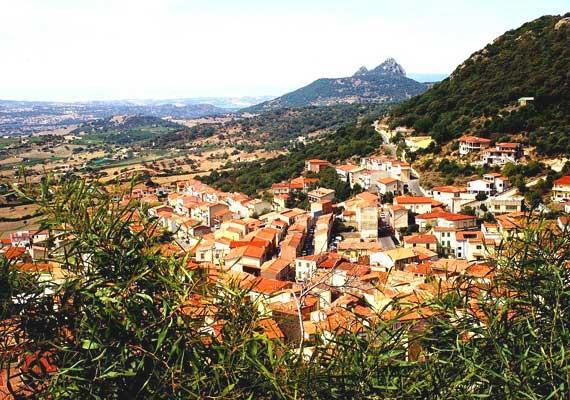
(432, 77)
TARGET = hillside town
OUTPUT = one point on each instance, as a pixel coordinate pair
(256, 200)
(305, 268)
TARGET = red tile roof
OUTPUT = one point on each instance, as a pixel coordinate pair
(565, 180)
(34, 267)
(469, 235)
(420, 269)
(445, 215)
(415, 200)
(367, 196)
(254, 251)
(473, 139)
(354, 269)
(39, 363)
(449, 189)
(346, 167)
(480, 271)
(14, 252)
(261, 243)
(266, 285)
(420, 239)
(271, 329)
(509, 145)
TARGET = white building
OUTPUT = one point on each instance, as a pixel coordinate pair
(561, 189)
(468, 144)
(480, 186)
(472, 246)
(393, 258)
(502, 154)
(499, 182)
(499, 205)
(386, 185)
(446, 220)
(344, 171)
(452, 196)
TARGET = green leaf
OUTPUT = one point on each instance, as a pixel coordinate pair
(89, 344)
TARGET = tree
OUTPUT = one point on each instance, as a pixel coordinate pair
(132, 322)
(423, 125)
(481, 196)
(468, 211)
(388, 198)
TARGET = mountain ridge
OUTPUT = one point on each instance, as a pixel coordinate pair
(387, 82)
(481, 95)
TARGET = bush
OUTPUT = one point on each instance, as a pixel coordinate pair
(129, 322)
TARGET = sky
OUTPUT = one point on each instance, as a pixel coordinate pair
(70, 50)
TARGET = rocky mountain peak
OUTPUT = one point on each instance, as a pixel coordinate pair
(361, 71)
(389, 67)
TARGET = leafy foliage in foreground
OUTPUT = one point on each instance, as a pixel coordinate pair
(532, 60)
(120, 325)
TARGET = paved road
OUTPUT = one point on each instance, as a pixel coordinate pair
(387, 243)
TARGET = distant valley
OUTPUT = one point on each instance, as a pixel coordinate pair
(29, 117)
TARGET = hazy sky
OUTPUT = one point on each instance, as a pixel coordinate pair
(111, 49)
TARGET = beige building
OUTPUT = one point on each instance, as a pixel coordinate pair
(323, 228)
(386, 185)
(398, 217)
(320, 194)
(507, 205)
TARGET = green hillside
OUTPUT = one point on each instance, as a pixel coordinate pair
(482, 94)
(124, 130)
(383, 84)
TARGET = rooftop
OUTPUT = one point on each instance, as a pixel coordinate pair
(449, 189)
(420, 239)
(565, 180)
(473, 139)
(415, 200)
(445, 215)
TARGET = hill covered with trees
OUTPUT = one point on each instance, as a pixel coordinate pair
(353, 140)
(385, 83)
(125, 122)
(275, 129)
(125, 130)
(482, 94)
